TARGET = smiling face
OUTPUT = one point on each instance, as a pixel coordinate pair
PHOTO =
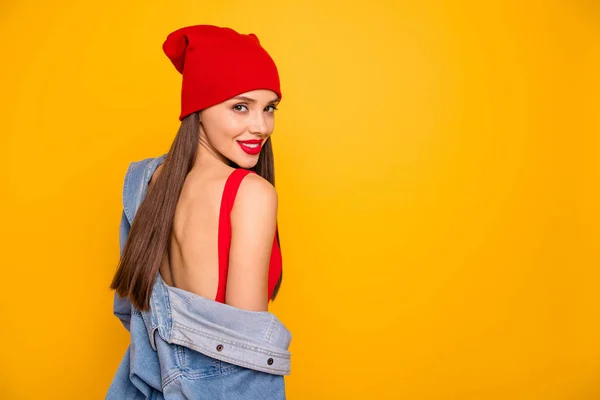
(236, 129)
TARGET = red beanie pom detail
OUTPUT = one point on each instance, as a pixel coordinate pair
(175, 47)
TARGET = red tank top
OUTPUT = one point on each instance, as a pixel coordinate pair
(229, 193)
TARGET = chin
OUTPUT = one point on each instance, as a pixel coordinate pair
(246, 162)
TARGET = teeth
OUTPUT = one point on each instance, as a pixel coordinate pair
(252, 146)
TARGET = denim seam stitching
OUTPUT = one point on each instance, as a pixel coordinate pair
(180, 351)
(222, 371)
(125, 191)
(170, 378)
(269, 332)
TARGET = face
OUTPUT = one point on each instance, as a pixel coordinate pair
(236, 129)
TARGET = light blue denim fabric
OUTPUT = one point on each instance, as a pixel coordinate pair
(190, 347)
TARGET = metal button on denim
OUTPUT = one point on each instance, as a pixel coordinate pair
(270, 361)
(220, 347)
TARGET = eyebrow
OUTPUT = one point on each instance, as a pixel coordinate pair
(248, 99)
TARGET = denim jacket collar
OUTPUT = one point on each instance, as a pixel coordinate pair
(136, 182)
(251, 339)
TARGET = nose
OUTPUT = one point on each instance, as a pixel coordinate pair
(259, 125)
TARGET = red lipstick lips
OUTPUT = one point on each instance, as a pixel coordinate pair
(252, 147)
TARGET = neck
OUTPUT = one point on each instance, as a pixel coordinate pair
(207, 156)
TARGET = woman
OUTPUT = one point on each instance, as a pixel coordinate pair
(200, 255)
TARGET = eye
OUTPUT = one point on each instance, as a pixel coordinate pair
(239, 105)
(273, 107)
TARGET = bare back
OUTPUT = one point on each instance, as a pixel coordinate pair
(194, 264)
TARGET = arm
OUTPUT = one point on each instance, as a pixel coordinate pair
(253, 222)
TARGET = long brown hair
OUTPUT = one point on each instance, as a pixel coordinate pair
(150, 232)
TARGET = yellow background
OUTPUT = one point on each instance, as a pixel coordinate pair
(437, 165)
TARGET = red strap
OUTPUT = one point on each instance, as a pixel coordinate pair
(229, 194)
(232, 184)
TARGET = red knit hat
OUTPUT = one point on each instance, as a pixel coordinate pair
(217, 64)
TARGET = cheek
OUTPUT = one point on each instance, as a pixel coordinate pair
(231, 127)
(225, 131)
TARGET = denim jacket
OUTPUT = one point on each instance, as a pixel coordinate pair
(191, 347)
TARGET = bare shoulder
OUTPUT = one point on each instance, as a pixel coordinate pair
(255, 191)
(255, 208)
